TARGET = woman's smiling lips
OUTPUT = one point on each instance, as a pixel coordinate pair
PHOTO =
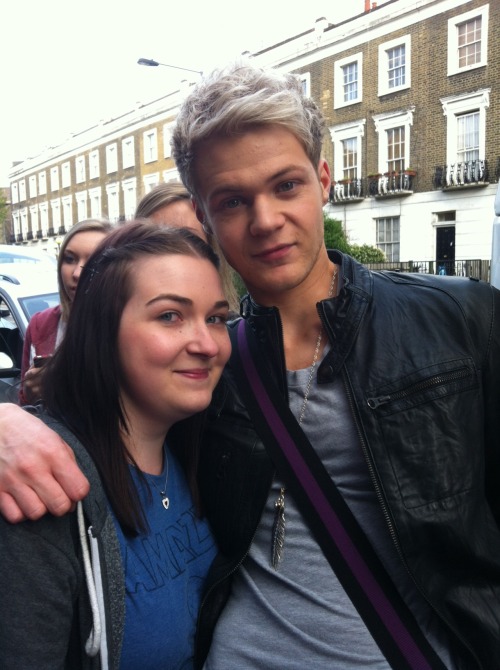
(196, 373)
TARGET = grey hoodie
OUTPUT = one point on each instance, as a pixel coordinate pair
(62, 593)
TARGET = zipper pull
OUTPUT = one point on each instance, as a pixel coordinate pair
(373, 403)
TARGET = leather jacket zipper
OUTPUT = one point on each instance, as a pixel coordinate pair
(437, 380)
(433, 381)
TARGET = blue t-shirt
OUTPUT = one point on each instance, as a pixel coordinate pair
(165, 570)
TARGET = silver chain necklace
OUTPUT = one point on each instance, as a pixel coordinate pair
(164, 498)
(278, 536)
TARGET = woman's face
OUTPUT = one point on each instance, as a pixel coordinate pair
(172, 339)
(179, 214)
(76, 254)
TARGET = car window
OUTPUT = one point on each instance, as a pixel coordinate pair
(37, 303)
(6, 318)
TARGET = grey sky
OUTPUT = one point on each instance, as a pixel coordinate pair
(66, 64)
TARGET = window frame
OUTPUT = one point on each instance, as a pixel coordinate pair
(385, 122)
(128, 152)
(456, 106)
(339, 134)
(150, 150)
(129, 188)
(383, 69)
(453, 23)
(150, 181)
(111, 158)
(54, 178)
(391, 243)
(80, 171)
(42, 183)
(66, 174)
(81, 205)
(22, 190)
(94, 167)
(305, 79)
(338, 80)
(32, 186)
(113, 197)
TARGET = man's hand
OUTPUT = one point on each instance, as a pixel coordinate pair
(38, 471)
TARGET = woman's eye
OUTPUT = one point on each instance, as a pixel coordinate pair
(68, 259)
(169, 317)
(217, 318)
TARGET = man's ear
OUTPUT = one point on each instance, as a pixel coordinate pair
(325, 179)
(200, 215)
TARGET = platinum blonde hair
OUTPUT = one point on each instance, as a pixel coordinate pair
(238, 97)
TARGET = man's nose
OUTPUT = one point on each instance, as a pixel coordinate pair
(266, 215)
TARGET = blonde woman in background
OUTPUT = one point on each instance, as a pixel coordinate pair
(169, 204)
(46, 328)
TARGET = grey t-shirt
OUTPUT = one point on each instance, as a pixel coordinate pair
(299, 615)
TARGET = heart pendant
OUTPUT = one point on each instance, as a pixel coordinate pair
(165, 502)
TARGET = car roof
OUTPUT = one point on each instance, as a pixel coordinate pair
(25, 279)
(11, 254)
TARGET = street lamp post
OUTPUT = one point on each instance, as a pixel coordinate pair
(149, 62)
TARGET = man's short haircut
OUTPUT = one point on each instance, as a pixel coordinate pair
(239, 97)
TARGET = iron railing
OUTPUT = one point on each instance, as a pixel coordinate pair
(378, 185)
(479, 269)
(458, 175)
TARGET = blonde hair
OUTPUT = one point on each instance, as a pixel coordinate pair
(239, 97)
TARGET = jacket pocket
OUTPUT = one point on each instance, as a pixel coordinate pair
(432, 428)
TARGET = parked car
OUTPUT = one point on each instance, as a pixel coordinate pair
(11, 254)
(24, 290)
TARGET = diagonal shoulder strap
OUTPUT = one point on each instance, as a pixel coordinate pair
(339, 535)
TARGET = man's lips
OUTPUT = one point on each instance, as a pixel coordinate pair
(274, 253)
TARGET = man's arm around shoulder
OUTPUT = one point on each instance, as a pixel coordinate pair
(38, 471)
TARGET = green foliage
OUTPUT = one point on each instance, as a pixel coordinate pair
(366, 254)
(335, 238)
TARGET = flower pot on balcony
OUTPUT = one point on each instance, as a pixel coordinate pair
(410, 172)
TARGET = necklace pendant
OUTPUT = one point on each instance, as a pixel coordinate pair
(278, 539)
(165, 502)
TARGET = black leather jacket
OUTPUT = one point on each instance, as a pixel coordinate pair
(420, 360)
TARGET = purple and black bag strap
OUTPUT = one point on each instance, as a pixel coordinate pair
(339, 535)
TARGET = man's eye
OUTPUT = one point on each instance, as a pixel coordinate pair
(287, 186)
(231, 203)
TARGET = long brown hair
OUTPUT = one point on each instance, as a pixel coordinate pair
(98, 225)
(81, 385)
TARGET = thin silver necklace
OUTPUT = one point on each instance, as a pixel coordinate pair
(163, 493)
(278, 536)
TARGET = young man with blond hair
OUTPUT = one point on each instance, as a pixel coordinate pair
(395, 381)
